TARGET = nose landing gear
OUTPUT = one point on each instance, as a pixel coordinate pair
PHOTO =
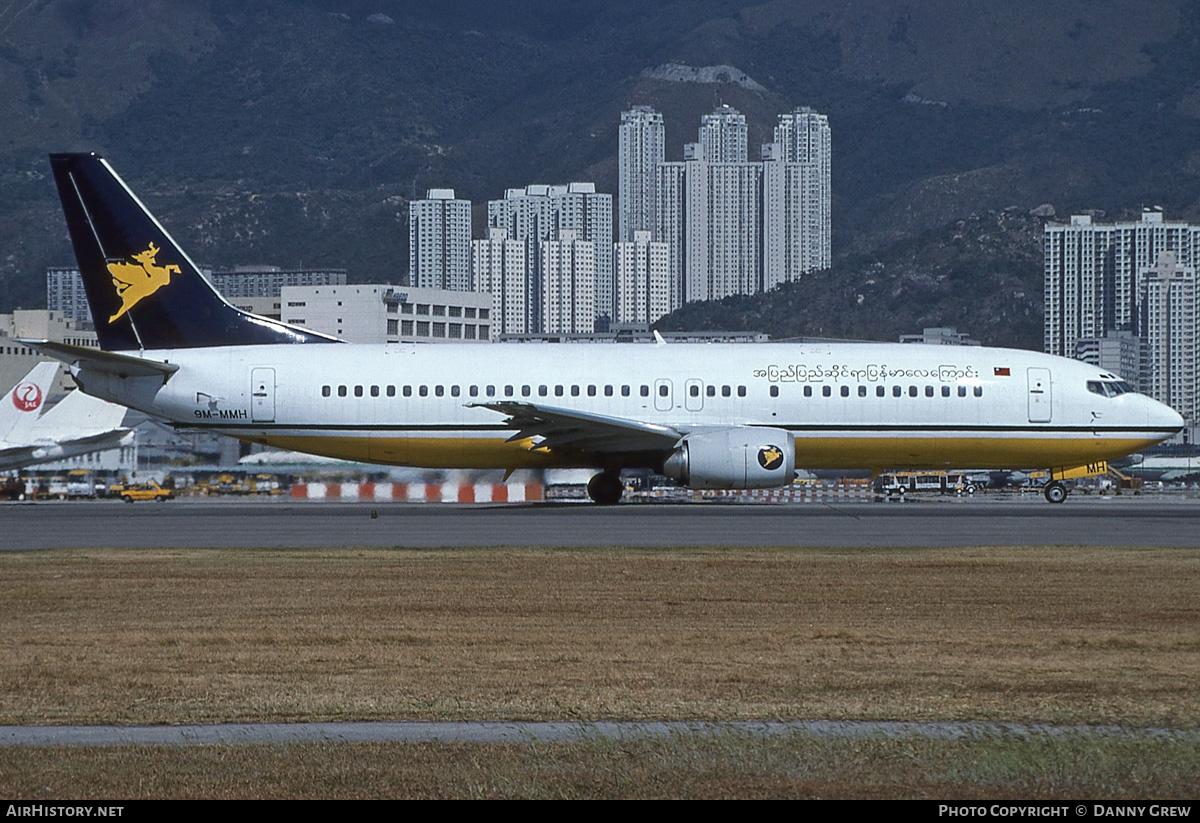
(1055, 492)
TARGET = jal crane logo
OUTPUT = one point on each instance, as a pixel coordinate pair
(27, 397)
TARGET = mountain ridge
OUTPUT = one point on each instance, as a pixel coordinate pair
(295, 132)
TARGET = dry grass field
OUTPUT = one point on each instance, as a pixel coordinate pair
(1053, 635)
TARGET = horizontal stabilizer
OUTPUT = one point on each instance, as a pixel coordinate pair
(121, 365)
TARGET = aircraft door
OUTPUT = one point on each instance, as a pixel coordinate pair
(1039, 395)
(262, 395)
(663, 401)
(693, 395)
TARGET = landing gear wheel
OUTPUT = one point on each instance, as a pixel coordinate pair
(1055, 492)
(605, 489)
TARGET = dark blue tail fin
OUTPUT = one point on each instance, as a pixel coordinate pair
(144, 292)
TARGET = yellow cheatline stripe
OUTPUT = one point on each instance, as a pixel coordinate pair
(811, 452)
(426, 452)
(960, 452)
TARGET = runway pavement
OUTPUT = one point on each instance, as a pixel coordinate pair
(281, 523)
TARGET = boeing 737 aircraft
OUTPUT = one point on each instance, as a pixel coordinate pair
(709, 415)
(76, 425)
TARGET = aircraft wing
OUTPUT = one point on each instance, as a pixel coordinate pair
(78, 415)
(576, 430)
(16, 457)
(30, 454)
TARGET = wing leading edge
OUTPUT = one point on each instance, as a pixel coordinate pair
(554, 428)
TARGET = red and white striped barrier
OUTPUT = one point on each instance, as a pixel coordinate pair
(421, 492)
(807, 493)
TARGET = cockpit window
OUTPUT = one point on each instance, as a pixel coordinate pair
(1109, 388)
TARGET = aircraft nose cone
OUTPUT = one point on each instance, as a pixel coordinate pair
(1162, 416)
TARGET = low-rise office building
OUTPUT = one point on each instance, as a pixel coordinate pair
(382, 313)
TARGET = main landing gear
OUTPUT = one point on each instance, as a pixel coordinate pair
(1055, 492)
(605, 488)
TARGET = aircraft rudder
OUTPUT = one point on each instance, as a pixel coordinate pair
(143, 289)
(24, 403)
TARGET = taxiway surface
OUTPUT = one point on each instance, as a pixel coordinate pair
(1092, 521)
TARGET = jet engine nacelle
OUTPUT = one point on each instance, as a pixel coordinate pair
(743, 457)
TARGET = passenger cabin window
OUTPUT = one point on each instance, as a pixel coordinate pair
(374, 391)
(880, 391)
(341, 391)
(826, 391)
(624, 391)
(645, 391)
(774, 391)
(391, 391)
(845, 391)
(808, 391)
(979, 391)
(726, 391)
(325, 391)
(423, 391)
(741, 391)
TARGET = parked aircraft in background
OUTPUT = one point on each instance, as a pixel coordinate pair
(77, 424)
(711, 416)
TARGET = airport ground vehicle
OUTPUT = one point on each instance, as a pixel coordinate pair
(12, 488)
(709, 416)
(143, 491)
(80, 484)
(897, 484)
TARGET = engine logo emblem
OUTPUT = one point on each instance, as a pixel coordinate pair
(770, 457)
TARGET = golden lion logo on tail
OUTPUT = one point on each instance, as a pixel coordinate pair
(135, 281)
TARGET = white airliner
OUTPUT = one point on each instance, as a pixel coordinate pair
(77, 424)
(711, 416)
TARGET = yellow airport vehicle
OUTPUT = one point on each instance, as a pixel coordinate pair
(143, 491)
